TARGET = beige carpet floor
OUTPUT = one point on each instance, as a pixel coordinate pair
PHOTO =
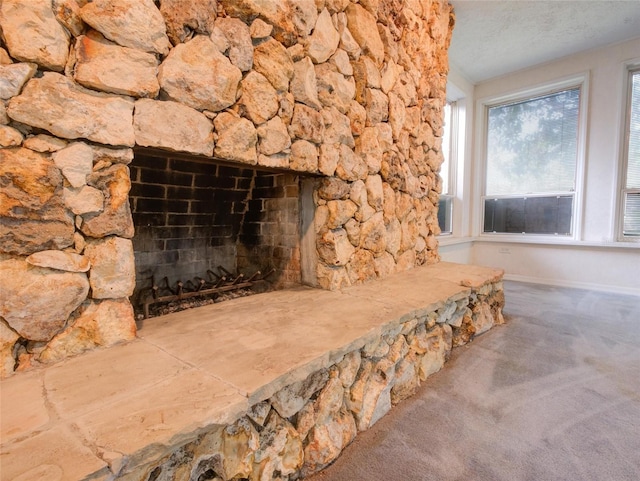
(554, 394)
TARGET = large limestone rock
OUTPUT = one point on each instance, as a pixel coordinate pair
(37, 301)
(75, 162)
(334, 248)
(370, 396)
(112, 274)
(325, 39)
(363, 27)
(85, 200)
(289, 400)
(44, 143)
(273, 137)
(237, 138)
(307, 124)
(304, 86)
(198, 75)
(10, 137)
(304, 156)
(337, 128)
(58, 105)
(280, 449)
(68, 14)
(13, 77)
(95, 324)
(173, 126)
(183, 19)
(8, 338)
(115, 217)
(272, 60)
(334, 89)
(32, 33)
(277, 14)
(32, 214)
(105, 66)
(130, 23)
(59, 260)
(333, 431)
(239, 37)
(259, 98)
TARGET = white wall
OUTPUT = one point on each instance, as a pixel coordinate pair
(594, 258)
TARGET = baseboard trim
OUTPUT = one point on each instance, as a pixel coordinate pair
(575, 284)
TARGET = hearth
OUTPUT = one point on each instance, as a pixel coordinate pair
(203, 228)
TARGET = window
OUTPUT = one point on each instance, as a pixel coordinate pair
(531, 164)
(445, 205)
(631, 185)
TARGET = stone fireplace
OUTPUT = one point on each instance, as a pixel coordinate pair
(318, 122)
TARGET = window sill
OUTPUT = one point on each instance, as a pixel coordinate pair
(555, 241)
(449, 240)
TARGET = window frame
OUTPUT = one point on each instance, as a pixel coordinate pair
(580, 81)
(452, 167)
(630, 69)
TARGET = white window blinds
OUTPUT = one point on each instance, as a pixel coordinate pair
(532, 145)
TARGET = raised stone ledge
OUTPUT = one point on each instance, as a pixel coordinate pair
(273, 383)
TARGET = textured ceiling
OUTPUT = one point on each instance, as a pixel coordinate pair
(496, 37)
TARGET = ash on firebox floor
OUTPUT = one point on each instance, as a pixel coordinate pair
(183, 304)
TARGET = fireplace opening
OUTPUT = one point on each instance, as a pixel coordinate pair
(207, 231)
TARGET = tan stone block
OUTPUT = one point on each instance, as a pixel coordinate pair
(114, 183)
(130, 23)
(272, 60)
(8, 338)
(38, 301)
(304, 16)
(56, 104)
(103, 65)
(44, 143)
(304, 156)
(196, 74)
(334, 247)
(32, 33)
(350, 166)
(171, 125)
(340, 211)
(97, 324)
(239, 37)
(237, 138)
(84, 200)
(361, 266)
(334, 89)
(112, 274)
(259, 99)
(328, 159)
(183, 18)
(337, 128)
(13, 77)
(68, 14)
(278, 14)
(324, 40)
(304, 86)
(10, 137)
(362, 25)
(273, 138)
(59, 260)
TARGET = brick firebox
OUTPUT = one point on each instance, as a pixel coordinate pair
(192, 215)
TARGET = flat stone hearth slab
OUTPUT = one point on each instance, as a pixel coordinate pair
(193, 369)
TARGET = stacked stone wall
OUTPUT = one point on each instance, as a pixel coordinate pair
(350, 90)
(305, 426)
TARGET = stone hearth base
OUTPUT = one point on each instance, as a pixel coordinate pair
(271, 386)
